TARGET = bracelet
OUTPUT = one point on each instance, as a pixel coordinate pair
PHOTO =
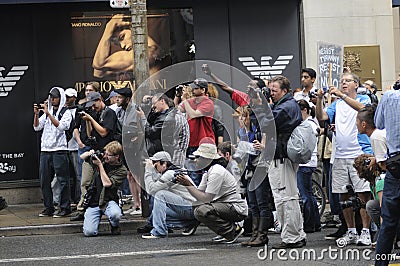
(344, 96)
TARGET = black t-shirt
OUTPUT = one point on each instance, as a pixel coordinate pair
(107, 119)
(80, 124)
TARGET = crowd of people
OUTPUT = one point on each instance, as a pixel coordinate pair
(193, 173)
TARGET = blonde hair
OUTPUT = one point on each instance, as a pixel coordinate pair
(212, 91)
(114, 147)
(94, 84)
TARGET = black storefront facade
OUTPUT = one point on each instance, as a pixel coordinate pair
(38, 51)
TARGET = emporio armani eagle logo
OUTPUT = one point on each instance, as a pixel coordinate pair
(266, 70)
(8, 82)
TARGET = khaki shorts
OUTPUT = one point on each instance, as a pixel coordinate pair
(343, 173)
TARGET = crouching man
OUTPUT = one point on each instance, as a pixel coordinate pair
(172, 204)
(218, 205)
(109, 174)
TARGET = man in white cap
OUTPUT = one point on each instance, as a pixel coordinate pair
(172, 202)
(219, 206)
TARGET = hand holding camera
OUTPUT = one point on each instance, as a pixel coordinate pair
(206, 69)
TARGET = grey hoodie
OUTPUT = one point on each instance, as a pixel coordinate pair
(53, 138)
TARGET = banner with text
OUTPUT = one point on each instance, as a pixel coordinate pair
(330, 64)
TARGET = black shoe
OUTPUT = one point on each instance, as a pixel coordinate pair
(338, 234)
(191, 229)
(283, 245)
(238, 232)
(62, 213)
(144, 229)
(77, 217)
(3, 203)
(115, 230)
(46, 213)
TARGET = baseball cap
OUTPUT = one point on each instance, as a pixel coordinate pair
(199, 83)
(70, 92)
(112, 94)
(55, 93)
(92, 97)
(161, 156)
(127, 92)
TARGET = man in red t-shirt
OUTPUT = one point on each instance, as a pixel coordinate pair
(199, 111)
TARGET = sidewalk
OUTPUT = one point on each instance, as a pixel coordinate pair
(23, 219)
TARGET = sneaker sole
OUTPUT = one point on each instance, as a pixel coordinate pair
(236, 237)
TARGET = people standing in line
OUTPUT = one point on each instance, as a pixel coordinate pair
(282, 172)
(349, 145)
(312, 219)
(387, 116)
(53, 151)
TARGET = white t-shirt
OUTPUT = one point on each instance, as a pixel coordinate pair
(220, 182)
(379, 144)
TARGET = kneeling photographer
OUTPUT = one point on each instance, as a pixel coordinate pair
(101, 196)
(172, 202)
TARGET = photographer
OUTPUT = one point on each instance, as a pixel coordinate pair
(172, 202)
(100, 131)
(108, 175)
(53, 151)
(219, 205)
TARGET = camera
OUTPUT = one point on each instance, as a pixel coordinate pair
(179, 172)
(252, 92)
(396, 85)
(353, 201)
(81, 108)
(179, 90)
(97, 154)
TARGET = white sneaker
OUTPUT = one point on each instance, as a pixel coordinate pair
(347, 239)
(218, 238)
(364, 239)
(136, 212)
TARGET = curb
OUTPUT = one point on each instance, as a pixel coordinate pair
(71, 228)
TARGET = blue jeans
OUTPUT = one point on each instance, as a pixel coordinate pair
(197, 175)
(259, 199)
(390, 212)
(334, 198)
(93, 217)
(312, 221)
(55, 163)
(169, 208)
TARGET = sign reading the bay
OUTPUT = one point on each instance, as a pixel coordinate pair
(330, 64)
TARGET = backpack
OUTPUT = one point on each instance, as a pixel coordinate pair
(69, 133)
(302, 143)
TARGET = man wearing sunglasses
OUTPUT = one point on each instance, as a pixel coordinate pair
(109, 174)
(349, 144)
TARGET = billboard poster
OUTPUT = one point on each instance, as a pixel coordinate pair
(330, 64)
(103, 49)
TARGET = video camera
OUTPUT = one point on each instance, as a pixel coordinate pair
(353, 201)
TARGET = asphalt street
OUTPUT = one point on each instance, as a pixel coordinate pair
(130, 249)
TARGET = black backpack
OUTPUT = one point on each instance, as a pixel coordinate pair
(69, 133)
